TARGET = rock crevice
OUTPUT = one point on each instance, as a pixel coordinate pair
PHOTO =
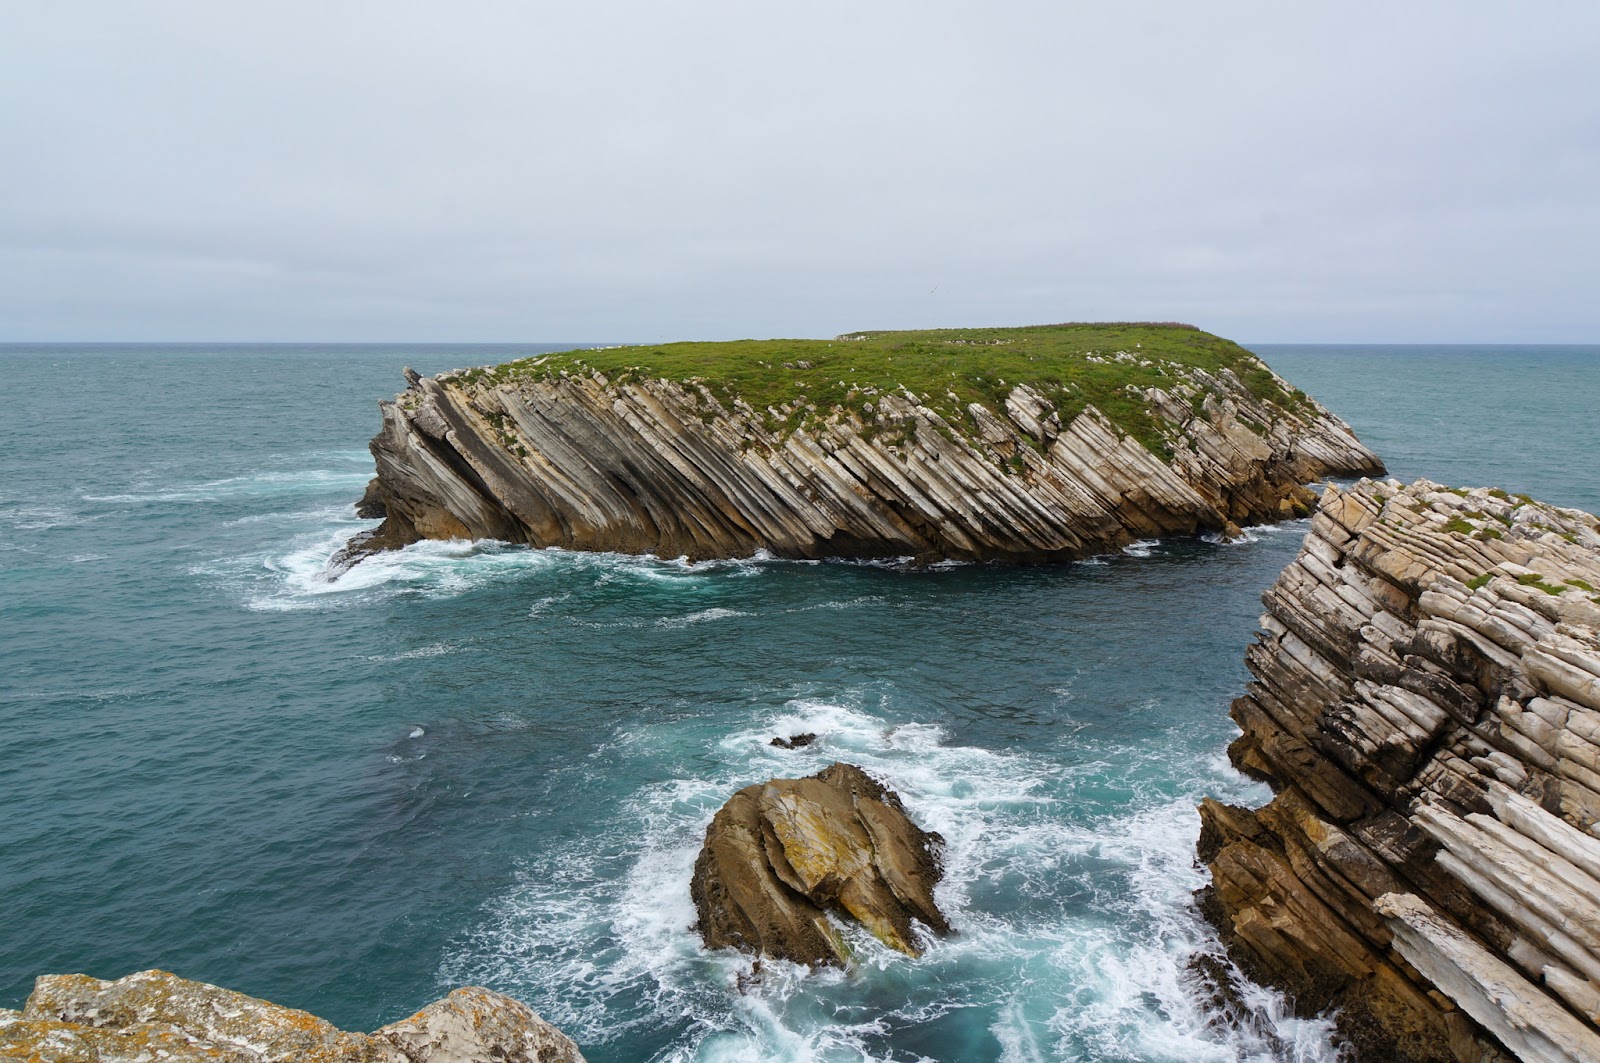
(1426, 708)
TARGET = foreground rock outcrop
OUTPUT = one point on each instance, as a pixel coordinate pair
(573, 455)
(153, 1015)
(782, 854)
(1426, 707)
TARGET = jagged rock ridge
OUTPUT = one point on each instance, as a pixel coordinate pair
(782, 854)
(674, 467)
(153, 1015)
(1426, 707)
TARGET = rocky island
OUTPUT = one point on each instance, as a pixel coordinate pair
(1024, 444)
(1426, 708)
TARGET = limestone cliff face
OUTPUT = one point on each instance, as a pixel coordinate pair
(665, 467)
(1426, 707)
(153, 1015)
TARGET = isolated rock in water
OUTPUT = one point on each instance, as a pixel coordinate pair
(781, 854)
(794, 741)
(153, 1015)
(1426, 707)
(717, 453)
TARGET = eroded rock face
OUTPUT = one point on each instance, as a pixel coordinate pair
(781, 854)
(1426, 707)
(656, 466)
(153, 1015)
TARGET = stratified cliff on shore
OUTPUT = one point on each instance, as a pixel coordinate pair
(1037, 444)
(153, 1015)
(1426, 707)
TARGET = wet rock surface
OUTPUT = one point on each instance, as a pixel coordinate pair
(1426, 707)
(153, 1015)
(781, 855)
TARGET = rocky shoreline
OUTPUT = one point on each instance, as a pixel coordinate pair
(675, 467)
(154, 1015)
(1426, 708)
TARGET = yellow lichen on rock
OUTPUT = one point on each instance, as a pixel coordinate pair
(154, 1015)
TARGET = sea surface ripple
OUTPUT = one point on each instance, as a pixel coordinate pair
(482, 763)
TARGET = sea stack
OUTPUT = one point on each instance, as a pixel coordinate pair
(1023, 444)
(1426, 707)
(782, 854)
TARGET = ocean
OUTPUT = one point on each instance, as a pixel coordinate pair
(487, 764)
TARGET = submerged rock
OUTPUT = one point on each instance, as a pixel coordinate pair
(683, 466)
(781, 854)
(1426, 707)
(153, 1015)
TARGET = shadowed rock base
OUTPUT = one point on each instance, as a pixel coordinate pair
(781, 854)
(153, 1015)
(1426, 707)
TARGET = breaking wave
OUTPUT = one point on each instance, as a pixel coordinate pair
(1073, 938)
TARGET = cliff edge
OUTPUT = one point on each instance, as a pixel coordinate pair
(1027, 444)
(1426, 708)
(153, 1015)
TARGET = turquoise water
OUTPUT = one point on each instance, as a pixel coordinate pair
(493, 765)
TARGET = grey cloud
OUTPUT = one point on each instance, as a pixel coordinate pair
(505, 171)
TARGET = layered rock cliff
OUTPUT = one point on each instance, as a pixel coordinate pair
(1084, 449)
(1426, 707)
(153, 1015)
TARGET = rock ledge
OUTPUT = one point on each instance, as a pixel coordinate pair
(153, 1015)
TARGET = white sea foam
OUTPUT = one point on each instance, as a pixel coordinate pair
(846, 603)
(298, 577)
(1256, 532)
(437, 649)
(1074, 937)
(1245, 537)
(1087, 958)
(1141, 547)
(264, 482)
(704, 616)
(41, 517)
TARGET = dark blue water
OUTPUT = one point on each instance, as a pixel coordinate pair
(493, 765)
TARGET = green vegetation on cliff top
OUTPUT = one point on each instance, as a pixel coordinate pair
(1072, 365)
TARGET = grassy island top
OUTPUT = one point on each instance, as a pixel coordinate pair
(1108, 365)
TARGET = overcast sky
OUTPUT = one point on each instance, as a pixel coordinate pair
(634, 171)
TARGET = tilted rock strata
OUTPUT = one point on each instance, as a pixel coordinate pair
(782, 854)
(153, 1015)
(664, 467)
(1426, 707)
